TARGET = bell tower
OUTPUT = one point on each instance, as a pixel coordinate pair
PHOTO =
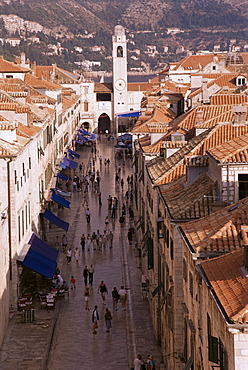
(119, 55)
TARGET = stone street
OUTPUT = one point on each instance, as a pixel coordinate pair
(63, 338)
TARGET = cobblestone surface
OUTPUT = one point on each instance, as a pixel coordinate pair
(63, 339)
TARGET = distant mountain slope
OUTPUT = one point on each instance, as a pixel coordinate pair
(78, 15)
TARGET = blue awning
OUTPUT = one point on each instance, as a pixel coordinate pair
(79, 142)
(83, 131)
(55, 220)
(62, 177)
(62, 193)
(74, 153)
(41, 257)
(70, 156)
(129, 114)
(62, 165)
(69, 163)
(63, 202)
(92, 137)
(80, 137)
(125, 137)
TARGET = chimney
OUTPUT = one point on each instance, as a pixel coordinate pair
(239, 113)
(205, 92)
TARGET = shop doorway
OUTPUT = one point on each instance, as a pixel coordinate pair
(103, 124)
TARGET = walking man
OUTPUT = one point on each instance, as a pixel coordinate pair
(111, 237)
(95, 319)
(108, 319)
(103, 290)
(85, 274)
(123, 297)
(115, 298)
(91, 274)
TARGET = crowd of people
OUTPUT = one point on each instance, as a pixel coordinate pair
(88, 182)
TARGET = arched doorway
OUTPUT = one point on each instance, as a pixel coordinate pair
(86, 125)
(103, 123)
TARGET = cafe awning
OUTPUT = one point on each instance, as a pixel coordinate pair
(84, 132)
(74, 153)
(69, 163)
(62, 165)
(62, 177)
(80, 137)
(55, 220)
(41, 257)
(63, 202)
(129, 114)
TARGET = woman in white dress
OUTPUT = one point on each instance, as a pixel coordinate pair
(76, 254)
(88, 242)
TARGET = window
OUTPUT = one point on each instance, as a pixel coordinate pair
(86, 106)
(150, 253)
(243, 185)
(15, 175)
(19, 228)
(241, 81)
(214, 68)
(119, 51)
(29, 163)
(191, 284)
(171, 249)
(86, 89)
(9, 76)
(185, 276)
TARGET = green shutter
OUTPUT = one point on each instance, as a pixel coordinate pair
(213, 350)
(150, 253)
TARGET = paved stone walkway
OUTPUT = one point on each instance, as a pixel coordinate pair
(63, 339)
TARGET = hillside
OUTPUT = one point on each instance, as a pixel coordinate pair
(203, 24)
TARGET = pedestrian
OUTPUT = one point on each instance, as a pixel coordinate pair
(88, 242)
(100, 160)
(131, 213)
(104, 239)
(73, 282)
(77, 254)
(57, 243)
(150, 363)
(122, 220)
(123, 297)
(100, 199)
(111, 237)
(68, 256)
(95, 319)
(82, 242)
(85, 274)
(97, 238)
(93, 238)
(85, 202)
(108, 319)
(105, 162)
(74, 186)
(138, 362)
(122, 184)
(109, 202)
(91, 274)
(103, 290)
(123, 213)
(86, 298)
(130, 236)
(64, 242)
(87, 213)
(115, 298)
(100, 242)
(106, 223)
(108, 161)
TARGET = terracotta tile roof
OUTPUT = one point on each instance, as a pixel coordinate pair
(196, 61)
(6, 66)
(234, 151)
(39, 83)
(67, 103)
(17, 108)
(142, 86)
(220, 231)
(228, 99)
(229, 284)
(27, 131)
(44, 72)
(155, 123)
(155, 147)
(144, 141)
(103, 87)
(190, 202)
(163, 170)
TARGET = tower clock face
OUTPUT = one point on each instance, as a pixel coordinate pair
(120, 84)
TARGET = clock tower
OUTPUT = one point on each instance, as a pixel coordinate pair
(119, 41)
